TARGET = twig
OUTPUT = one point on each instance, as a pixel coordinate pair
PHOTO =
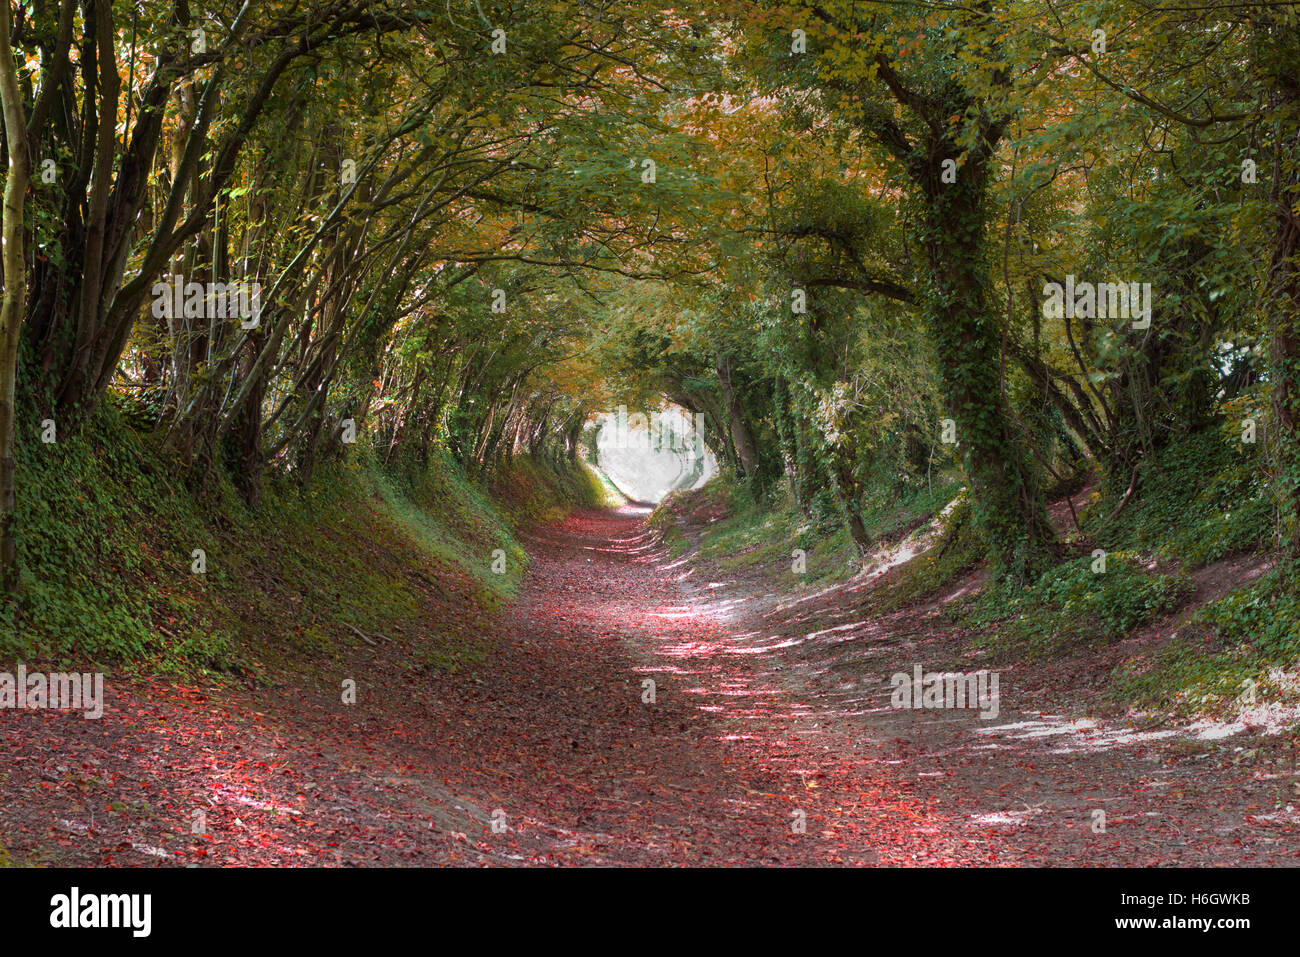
(361, 634)
(1124, 501)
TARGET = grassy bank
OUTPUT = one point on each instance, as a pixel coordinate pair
(1182, 564)
(125, 566)
(762, 535)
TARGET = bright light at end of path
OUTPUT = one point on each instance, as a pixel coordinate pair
(646, 455)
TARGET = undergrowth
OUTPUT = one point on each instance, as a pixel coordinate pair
(110, 543)
(958, 548)
(771, 535)
(537, 491)
(1076, 602)
(1244, 644)
(1203, 500)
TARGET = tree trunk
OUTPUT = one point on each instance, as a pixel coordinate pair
(13, 305)
(1284, 328)
(741, 438)
(1007, 499)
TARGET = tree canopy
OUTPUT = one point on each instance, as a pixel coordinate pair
(273, 233)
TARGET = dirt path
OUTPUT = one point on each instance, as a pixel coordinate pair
(761, 746)
(788, 704)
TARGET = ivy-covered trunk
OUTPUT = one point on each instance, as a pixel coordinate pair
(1284, 346)
(786, 433)
(1004, 486)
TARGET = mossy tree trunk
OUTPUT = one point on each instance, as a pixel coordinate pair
(1005, 489)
